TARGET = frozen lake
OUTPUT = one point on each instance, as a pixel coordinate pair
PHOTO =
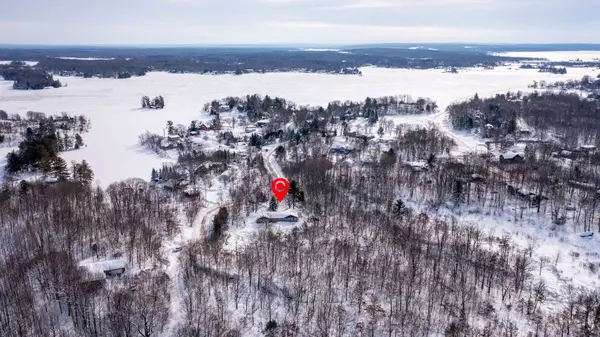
(117, 120)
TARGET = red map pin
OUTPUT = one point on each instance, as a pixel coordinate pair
(280, 188)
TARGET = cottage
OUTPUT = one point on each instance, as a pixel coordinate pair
(511, 157)
(250, 128)
(271, 217)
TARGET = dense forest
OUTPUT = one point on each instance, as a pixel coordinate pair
(127, 62)
(27, 78)
(572, 119)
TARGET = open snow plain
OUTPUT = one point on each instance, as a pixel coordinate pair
(113, 105)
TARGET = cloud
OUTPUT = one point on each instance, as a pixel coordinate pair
(331, 32)
(299, 21)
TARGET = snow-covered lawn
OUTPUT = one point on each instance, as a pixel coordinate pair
(117, 119)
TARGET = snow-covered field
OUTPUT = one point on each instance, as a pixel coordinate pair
(557, 56)
(117, 119)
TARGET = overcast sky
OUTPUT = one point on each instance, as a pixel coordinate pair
(297, 21)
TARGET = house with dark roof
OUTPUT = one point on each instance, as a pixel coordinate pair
(272, 217)
(512, 157)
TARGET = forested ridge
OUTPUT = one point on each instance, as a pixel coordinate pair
(127, 62)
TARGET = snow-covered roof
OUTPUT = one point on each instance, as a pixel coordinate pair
(420, 164)
(102, 266)
(50, 180)
(588, 147)
(113, 264)
(340, 146)
(263, 121)
(511, 155)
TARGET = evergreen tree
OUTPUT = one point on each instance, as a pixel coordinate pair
(293, 193)
(220, 223)
(273, 204)
(78, 141)
(400, 209)
(46, 163)
(68, 142)
(60, 142)
(60, 168)
(431, 160)
(458, 192)
(14, 163)
(255, 140)
(280, 152)
(170, 129)
(380, 131)
(85, 173)
(216, 122)
(154, 175)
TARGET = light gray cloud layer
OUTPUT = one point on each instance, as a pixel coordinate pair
(297, 21)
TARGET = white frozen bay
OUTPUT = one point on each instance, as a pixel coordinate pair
(117, 120)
